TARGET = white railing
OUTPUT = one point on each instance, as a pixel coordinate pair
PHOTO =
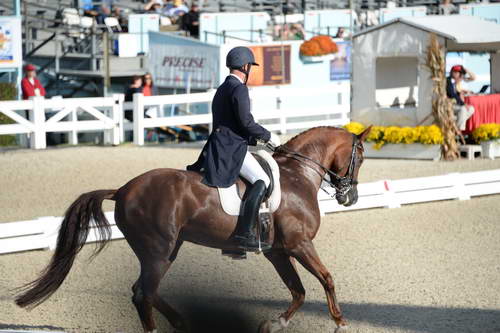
(107, 111)
(268, 109)
(42, 233)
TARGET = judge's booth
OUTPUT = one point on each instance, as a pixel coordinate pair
(391, 84)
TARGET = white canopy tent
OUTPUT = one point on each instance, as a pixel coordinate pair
(391, 83)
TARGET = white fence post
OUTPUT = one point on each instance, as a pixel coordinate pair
(139, 119)
(112, 135)
(73, 135)
(37, 116)
(121, 113)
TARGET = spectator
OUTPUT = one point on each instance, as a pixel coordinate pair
(447, 8)
(340, 33)
(135, 87)
(296, 32)
(148, 88)
(88, 8)
(30, 85)
(154, 6)
(106, 9)
(178, 9)
(191, 21)
(455, 89)
(167, 5)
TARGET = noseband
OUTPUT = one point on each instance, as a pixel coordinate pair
(342, 184)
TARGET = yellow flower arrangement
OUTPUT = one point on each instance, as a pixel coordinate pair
(381, 135)
(486, 132)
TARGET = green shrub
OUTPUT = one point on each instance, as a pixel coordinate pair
(8, 92)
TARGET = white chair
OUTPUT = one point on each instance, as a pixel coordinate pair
(112, 24)
(86, 22)
(70, 16)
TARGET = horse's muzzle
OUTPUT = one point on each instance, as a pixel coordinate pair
(349, 199)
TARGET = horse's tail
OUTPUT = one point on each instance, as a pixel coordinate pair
(72, 236)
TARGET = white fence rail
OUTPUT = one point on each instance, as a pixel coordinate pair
(42, 233)
(61, 115)
(65, 115)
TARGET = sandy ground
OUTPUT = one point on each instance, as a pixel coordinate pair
(423, 268)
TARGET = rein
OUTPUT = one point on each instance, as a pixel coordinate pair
(342, 184)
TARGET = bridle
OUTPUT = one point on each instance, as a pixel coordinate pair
(342, 184)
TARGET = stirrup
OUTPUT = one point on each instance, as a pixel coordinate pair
(252, 244)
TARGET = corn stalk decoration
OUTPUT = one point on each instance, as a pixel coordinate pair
(442, 106)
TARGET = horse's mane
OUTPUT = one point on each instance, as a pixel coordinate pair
(296, 137)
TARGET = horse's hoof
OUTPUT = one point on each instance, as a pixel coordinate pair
(342, 329)
(272, 326)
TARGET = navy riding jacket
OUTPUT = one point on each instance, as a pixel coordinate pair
(233, 130)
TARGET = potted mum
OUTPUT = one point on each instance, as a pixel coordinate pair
(420, 142)
(318, 49)
(488, 135)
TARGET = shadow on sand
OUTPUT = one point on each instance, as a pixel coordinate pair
(216, 315)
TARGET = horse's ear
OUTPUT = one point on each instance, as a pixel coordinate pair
(363, 135)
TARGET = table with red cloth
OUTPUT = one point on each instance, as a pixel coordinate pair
(487, 110)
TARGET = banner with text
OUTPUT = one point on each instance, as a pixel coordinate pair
(10, 42)
(178, 62)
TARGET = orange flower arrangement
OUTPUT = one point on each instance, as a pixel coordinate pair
(318, 46)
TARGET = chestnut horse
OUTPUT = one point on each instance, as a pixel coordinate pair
(160, 209)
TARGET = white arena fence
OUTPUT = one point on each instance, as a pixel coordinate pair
(64, 114)
(42, 233)
(46, 115)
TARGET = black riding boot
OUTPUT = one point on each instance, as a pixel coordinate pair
(247, 237)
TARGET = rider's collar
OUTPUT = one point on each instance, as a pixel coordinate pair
(236, 76)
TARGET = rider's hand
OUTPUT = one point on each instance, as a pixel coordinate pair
(274, 140)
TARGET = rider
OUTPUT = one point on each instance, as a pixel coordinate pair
(225, 156)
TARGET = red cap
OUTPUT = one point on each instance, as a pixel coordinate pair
(458, 68)
(29, 67)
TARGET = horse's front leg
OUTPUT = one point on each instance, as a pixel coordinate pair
(286, 269)
(306, 254)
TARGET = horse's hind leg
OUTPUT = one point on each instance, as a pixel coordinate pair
(306, 254)
(145, 289)
(153, 268)
(173, 316)
(286, 269)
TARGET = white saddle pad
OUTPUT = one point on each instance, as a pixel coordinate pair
(230, 200)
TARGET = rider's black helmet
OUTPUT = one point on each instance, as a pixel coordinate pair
(239, 57)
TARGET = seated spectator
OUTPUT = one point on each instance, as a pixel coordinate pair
(88, 8)
(30, 85)
(191, 21)
(154, 6)
(447, 8)
(455, 89)
(167, 5)
(148, 88)
(105, 9)
(178, 9)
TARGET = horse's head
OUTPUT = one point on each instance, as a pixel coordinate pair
(346, 163)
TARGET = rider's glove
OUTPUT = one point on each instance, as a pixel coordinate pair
(274, 141)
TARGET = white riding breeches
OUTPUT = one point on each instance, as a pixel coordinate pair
(252, 171)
